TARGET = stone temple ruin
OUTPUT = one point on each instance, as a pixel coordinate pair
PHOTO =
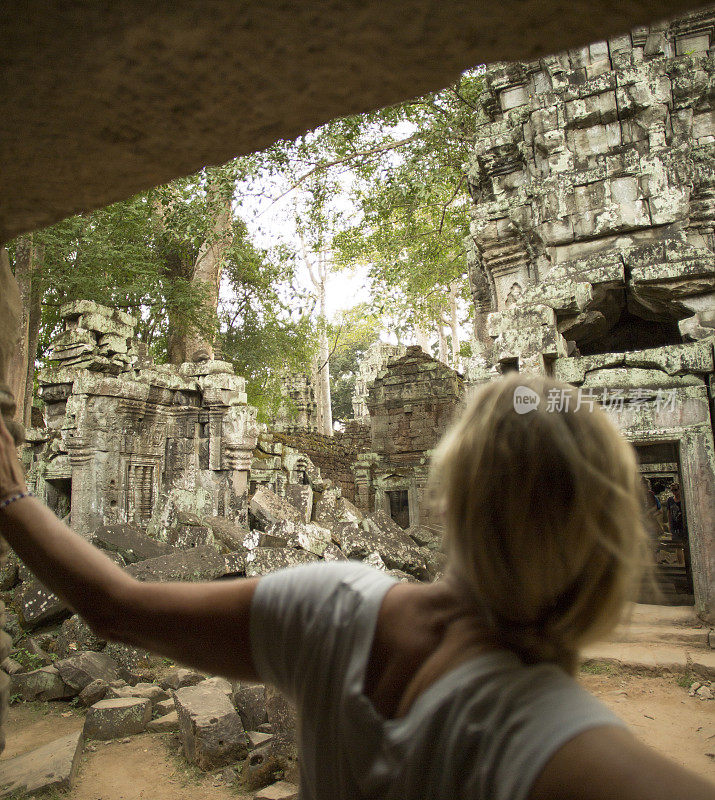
(131, 441)
(593, 244)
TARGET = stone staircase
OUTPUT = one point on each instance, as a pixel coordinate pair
(659, 638)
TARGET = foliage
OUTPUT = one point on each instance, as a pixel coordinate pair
(351, 334)
(403, 169)
(138, 255)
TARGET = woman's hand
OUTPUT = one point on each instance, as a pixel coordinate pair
(12, 475)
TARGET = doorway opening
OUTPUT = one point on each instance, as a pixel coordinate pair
(58, 496)
(399, 506)
(666, 520)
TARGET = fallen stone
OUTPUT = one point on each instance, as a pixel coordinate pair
(347, 512)
(325, 507)
(333, 553)
(378, 533)
(282, 790)
(197, 564)
(250, 702)
(76, 636)
(12, 626)
(40, 684)
(131, 544)
(50, 767)
(210, 727)
(218, 683)
(148, 691)
(80, 670)
(164, 707)
(262, 560)
(112, 719)
(266, 508)
(93, 692)
(257, 739)
(179, 677)
(262, 767)
(164, 724)
(297, 535)
(227, 533)
(38, 606)
(135, 664)
(284, 723)
(705, 693)
(189, 531)
(300, 496)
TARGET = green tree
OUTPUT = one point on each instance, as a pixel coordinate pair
(351, 334)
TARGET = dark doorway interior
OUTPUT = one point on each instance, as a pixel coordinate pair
(59, 496)
(400, 507)
(660, 469)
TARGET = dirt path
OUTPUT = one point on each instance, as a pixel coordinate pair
(660, 713)
(145, 767)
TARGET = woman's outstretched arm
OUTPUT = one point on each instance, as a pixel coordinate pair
(204, 625)
(609, 763)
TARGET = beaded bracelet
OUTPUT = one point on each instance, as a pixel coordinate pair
(14, 497)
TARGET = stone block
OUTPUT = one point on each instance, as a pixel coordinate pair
(230, 535)
(40, 684)
(258, 739)
(38, 606)
(378, 533)
(148, 691)
(250, 702)
(309, 537)
(131, 544)
(179, 677)
(113, 719)
(76, 636)
(282, 790)
(262, 560)
(52, 767)
(284, 723)
(80, 670)
(266, 508)
(164, 707)
(301, 497)
(94, 692)
(197, 564)
(218, 683)
(210, 727)
(164, 724)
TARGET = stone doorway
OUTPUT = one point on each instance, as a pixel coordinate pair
(58, 496)
(659, 465)
(399, 503)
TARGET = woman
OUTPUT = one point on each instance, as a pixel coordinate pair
(458, 689)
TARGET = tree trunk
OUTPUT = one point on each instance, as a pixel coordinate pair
(422, 338)
(18, 365)
(318, 272)
(442, 340)
(454, 324)
(33, 336)
(207, 272)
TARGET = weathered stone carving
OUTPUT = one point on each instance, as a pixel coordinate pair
(592, 247)
(131, 441)
(411, 403)
(376, 359)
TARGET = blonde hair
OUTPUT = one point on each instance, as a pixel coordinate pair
(543, 518)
